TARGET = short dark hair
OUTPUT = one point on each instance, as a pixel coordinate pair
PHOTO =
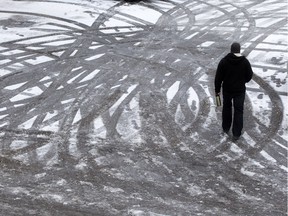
(235, 47)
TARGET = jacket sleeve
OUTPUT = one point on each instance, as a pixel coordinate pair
(219, 77)
(249, 72)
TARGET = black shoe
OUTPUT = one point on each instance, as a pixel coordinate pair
(235, 138)
(226, 131)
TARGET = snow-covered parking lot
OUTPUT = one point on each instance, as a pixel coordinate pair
(107, 108)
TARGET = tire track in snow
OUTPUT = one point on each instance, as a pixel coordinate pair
(146, 62)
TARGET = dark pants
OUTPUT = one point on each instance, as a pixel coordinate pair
(237, 100)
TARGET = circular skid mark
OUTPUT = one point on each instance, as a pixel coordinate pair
(109, 107)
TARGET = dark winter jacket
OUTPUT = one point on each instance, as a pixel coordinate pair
(232, 73)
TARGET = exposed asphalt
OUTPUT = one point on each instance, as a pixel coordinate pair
(119, 119)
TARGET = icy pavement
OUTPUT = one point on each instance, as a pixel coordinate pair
(107, 108)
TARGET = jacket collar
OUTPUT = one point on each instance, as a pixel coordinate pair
(237, 54)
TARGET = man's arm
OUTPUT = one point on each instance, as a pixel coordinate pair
(218, 78)
(249, 72)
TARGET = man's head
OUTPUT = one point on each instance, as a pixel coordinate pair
(235, 47)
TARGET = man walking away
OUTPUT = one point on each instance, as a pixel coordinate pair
(233, 72)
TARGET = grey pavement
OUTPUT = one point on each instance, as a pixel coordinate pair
(107, 108)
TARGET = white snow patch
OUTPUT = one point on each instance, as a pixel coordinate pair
(172, 91)
(193, 97)
(284, 168)
(59, 43)
(180, 118)
(67, 101)
(113, 190)
(285, 116)
(60, 87)
(86, 183)
(15, 86)
(95, 47)
(12, 52)
(40, 175)
(3, 109)
(184, 147)
(38, 60)
(18, 144)
(266, 22)
(135, 212)
(52, 127)
(81, 166)
(204, 77)
(19, 190)
(191, 36)
(4, 72)
(75, 77)
(43, 150)
(3, 116)
(28, 124)
(124, 77)
(194, 190)
(24, 158)
(115, 22)
(74, 53)
(77, 68)
(129, 123)
(18, 105)
(28, 93)
(279, 144)
(249, 139)
(45, 78)
(98, 123)
(234, 148)
(50, 115)
(82, 86)
(246, 172)
(261, 106)
(168, 74)
(116, 86)
(94, 57)
(115, 106)
(99, 128)
(149, 16)
(207, 44)
(101, 161)
(212, 115)
(267, 156)
(73, 148)
(54, 197)
(4, 124)
(61, 182)
(256, 163)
